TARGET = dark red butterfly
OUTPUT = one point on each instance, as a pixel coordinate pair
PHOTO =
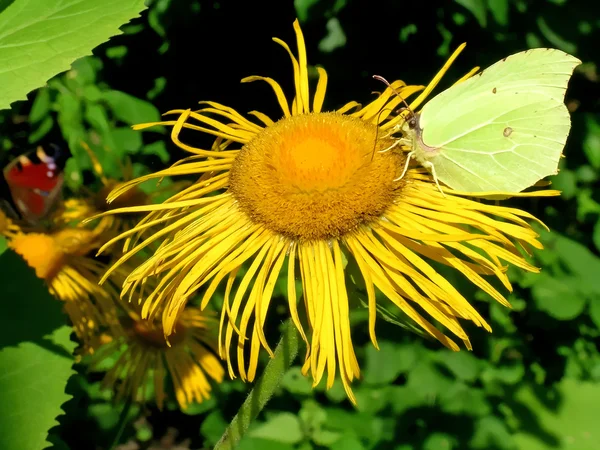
(35, 181)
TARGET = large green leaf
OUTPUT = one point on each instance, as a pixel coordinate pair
(41, 38)
(35, 357)
(572, 424)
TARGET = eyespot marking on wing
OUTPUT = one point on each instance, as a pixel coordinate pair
(507, 131)
(494, 91)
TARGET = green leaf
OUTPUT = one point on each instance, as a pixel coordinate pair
(130, 109)
(295, 382)
(566, 182)
(250, 443)
(96, 116)
(35, 356)
(126, 140)
(196, 408)
(427, 380)
(439, 441)
(554, 38)
(407, 31)
(596, 234)
(157, 148)
(462, 364)
(303, 7)
(384, 365)
(3, 244)
(42, 130)
(159, 85)
(371, 399)
(491, 432)
(572, 424)
(41, 106)
(335, 36)
(591, 141)
(347, 443)
(213, 427)
(41, 38)
(595, 311)
(463, 399)
(283, 427)
(499, 9)
(579, 260)
(586, 174)
(477, 8)
(558, 296)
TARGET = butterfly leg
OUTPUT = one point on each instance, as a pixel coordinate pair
(408, 158)
(397, 142)
(429, 166)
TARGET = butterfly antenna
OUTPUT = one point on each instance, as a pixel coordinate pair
(395, 91)
(376, 135)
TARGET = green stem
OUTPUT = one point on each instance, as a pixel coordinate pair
(122, 423)
(285, 353)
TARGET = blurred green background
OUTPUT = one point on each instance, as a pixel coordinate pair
(532, 384)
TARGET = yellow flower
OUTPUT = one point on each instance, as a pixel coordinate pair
(74, 211)
(188, 358)
(303, 195)
(8, 228)
(60, 259)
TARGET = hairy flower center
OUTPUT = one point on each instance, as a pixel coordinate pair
(316, 176)
(4, 223)
(155, 337)
(75, 241)
(41, 252)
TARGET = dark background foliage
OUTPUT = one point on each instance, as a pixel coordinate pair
(532, 384)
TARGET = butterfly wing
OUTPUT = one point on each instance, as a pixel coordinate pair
(504, 129)
(35, 183)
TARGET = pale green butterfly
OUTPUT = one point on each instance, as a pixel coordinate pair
(501, 130)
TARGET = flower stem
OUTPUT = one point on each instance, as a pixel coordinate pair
(285, 353)
(122, 423)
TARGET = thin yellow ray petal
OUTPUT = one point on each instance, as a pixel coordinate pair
(262, 117)
(232, 114)
(302, 69)
(250, 307)
(349, 358)
(332, 319)
(241, 135)
(431, 86)
(276, 89)
(389, 291)
(275, 269)
(432, 275)
(387, 110)
(297, 86)
(394, 269)
(372, 303)
(348, 106)
(321, 89)
(292, 298)
(466, 76)
(262, 305)
(237, 303)
(226, 311)
(184, 115)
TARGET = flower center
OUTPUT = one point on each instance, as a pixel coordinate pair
(41, 252)
(76, 241)
(155, 337)
(316, 176)
(4, 223)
